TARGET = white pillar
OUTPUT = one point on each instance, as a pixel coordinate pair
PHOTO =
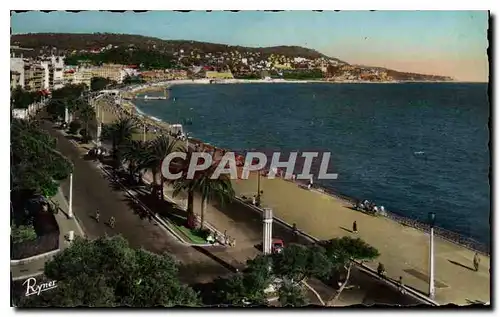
(70, 207)
(66, 115)
(431, 264)
(98, 135)
(268, 227)
(144, 133)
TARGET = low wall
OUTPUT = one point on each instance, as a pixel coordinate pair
(47, 229)
(27, 249)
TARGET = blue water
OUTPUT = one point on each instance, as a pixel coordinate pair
(413, 148)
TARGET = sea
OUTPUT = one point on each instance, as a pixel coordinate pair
(414, 148)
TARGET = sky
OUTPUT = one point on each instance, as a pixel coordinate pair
(449, 43)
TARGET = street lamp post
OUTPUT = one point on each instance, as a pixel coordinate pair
(258, 188)
(70, 207)
(432, 219)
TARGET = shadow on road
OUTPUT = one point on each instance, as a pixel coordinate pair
(460, 264)
(350, 231)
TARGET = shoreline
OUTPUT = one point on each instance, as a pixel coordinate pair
(164, 84)
(453, 237)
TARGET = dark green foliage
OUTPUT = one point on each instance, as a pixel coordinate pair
(290, 269)
(74, 127)
(107, 273)
(22, 233)
(120, 134)
(21, 99)
(70, 41)
(70, 96)
(341, 250)
(219, 189)
(292, 295)
(35, 165)
(303, 74)
(147, 59)
(100, 83)
(133, 80)
(246, 288)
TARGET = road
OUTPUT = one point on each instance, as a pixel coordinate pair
(92, 191)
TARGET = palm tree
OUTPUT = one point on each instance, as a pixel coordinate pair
(135, 153)
(156, 152)
(86, 113)
(219, 189)
(120, 133)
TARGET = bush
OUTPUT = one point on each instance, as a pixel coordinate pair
(50, 189)
(202, 233)
(74, 127)
(22, 233)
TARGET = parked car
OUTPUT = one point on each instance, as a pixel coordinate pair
(277, 245)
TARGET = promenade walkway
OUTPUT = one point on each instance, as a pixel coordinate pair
(35, 266)
(246, 226)
(404, 250)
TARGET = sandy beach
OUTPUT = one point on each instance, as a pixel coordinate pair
(404, 250)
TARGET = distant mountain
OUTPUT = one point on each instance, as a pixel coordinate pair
(77, 41)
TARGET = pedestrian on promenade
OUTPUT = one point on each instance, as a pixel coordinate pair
(354, 227)
(112, 222)
(97, 215)
(401, 285)
(254, 200)
(381, 269)
(476, 261)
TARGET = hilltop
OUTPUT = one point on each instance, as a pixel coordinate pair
(75, 41)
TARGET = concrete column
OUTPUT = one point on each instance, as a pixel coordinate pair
(431, 264)
(66, 115)
(98, 134)
(70, 207)
(268, 228)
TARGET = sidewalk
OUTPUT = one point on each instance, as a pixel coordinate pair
(404, 250)
(35, 265)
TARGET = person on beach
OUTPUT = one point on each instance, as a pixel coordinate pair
(354, 227)
(476, 261)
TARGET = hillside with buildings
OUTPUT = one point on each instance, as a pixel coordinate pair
(48, 61)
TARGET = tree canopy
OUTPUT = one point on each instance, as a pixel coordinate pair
(21, 98)
(100, 83)
(108, 273)
(35, 165)
(289, 270)
(148, 59)
(70, 96)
